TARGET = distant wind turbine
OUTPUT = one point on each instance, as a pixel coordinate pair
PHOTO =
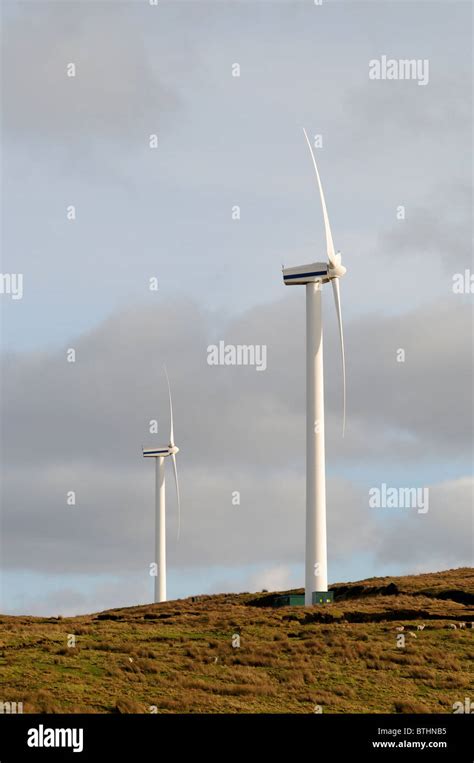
(313, 276)
(159, 454)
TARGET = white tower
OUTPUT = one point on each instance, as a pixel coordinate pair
(313, 276)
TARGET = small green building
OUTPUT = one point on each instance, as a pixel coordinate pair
(297, 599)
(323, 597)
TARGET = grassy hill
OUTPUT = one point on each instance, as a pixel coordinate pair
(179, 656)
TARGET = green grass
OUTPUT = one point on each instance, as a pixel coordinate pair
(290, 659)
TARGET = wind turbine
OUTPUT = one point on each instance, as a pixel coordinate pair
(313, 276)
(159, 454)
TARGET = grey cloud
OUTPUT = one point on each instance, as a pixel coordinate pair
(81, 426)
(440, 228)
(100, 406)
(117, 92)
(110, 529)
(443, 537)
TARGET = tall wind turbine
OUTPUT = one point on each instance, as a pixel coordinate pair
(313, 276)
(159, 454)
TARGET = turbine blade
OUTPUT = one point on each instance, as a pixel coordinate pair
(171, 409)
(337, 300)
(329, 243)
(173, 458)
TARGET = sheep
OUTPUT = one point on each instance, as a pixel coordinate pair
(413, 635)
(452, 625)
(462, 625)
(420, 627)
(400, 628)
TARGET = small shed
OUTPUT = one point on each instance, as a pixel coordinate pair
(323, 597)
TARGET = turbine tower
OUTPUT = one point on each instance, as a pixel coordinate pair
(159, 454)
(313, 276)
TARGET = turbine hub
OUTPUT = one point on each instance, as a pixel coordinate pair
(336, 272)
(173, 449)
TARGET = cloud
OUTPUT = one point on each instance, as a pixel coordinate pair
(440, 230)
(100, 406)
(278, 578)
(442, 538)
(116, 93)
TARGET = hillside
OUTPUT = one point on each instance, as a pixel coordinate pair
(179, 656)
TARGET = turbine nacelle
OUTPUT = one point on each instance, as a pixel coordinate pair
(313, 272)
(160, 452)
(301, 274)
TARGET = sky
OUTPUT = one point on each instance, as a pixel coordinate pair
(395, 158)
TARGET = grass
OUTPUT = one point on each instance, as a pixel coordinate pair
(178, 656)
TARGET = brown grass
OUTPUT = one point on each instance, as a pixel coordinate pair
(178, 656)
